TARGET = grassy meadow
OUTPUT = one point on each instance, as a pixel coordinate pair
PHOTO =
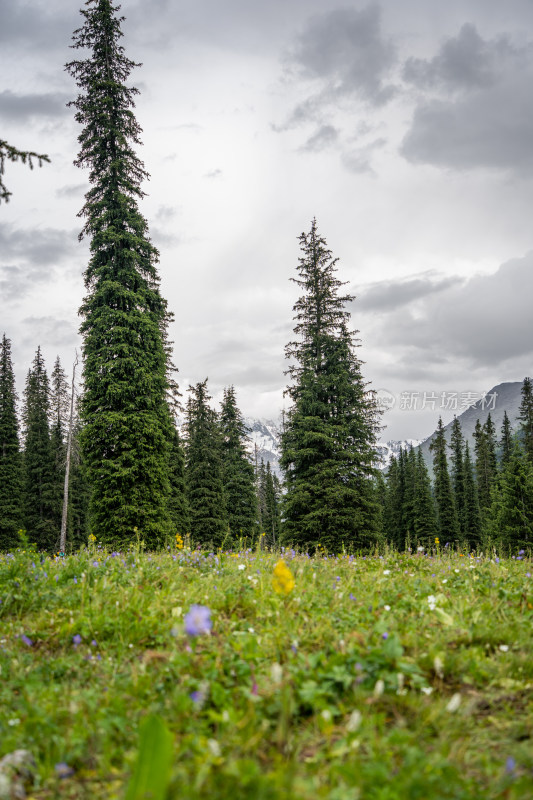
(383, 677)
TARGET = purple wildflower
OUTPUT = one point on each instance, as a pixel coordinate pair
(26, 640)
(198, 620)
(385, 635)
(76, 639)
(63, 770)
(510, 765)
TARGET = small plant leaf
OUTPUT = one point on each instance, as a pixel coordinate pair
(151, 775)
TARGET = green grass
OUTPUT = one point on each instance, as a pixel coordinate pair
(344, 688)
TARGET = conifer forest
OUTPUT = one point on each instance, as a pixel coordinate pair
(181, 618)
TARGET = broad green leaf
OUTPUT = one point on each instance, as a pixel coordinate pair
(151, 774)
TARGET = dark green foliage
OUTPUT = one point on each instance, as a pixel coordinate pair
(506, 442)
(425, 525)
(510, 519)
(40, 513)
(178, 505)
(328, 445)
(237, 470)
(458, 474)
(11, 483)
(526, 418)
(127, 428)
(472, 526)
(448, 524)
(59, 409)
(205, 494)
(79, 494)
(269, 494)
(10, 153)
(392, 512)
(409, 497)
(486, 469)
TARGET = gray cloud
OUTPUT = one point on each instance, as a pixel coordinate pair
(214, 173)
(344, 51)
(480, 114)
(42, 246)
(24, 107)
(49, 330)
(359, 159)
(463, 62)
(324, 137)
(396, 294)
(72, 190)
(484, 323)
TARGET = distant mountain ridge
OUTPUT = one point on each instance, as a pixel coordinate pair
(501, 398)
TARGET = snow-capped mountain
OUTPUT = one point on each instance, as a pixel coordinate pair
(264, 441)
(392, 448)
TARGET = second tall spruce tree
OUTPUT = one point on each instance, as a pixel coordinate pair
(328, 443)
(127, 431)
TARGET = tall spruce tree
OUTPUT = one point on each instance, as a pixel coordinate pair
(458, 473)
(510, 517)
(328, 445)
(525, 416)
(409, 498)
(127, 430)
(446, 514)
(178, 505)
(11, 483)
(472, 525)
(485, 452)
(237, 470)
(425, 526)
(59, 409)
(392, 512)
(506, 442)
(205, 493)
(271, 517)
(40, 513)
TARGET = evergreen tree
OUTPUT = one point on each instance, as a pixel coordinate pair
(11, 485)
(506, 442)
(485, 451)
(425, 524)
(446, 513)
(178, 505)
(328, 445)
(237, 470)
(458, 473)
(525, 416)
(40, 486)
(510, 520)
(127, 430)
(271, 516)
(79, 493)
(409, 499)
(204, 470)
(392, 512)
(59, 409)
(472, 526)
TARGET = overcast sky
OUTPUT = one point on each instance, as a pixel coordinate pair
(405, 127)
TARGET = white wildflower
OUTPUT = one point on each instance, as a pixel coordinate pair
(276, 672)
(379, 688)
(504, 648)
(454, 703)
(214, 747)
(354, 721)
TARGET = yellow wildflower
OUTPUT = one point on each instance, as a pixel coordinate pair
(282, 580)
